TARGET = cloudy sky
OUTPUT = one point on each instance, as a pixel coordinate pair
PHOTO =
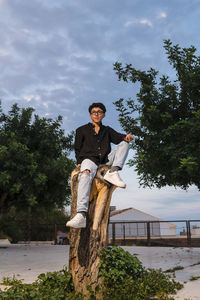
(57, 56)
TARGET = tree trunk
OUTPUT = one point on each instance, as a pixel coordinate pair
(86, 243)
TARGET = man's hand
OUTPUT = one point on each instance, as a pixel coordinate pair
(129, 138)
(78, 165)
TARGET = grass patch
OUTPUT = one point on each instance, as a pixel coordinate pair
(172, 270)
(194, 278)
(198, 263)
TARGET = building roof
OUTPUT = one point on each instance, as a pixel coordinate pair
(119, 211)
(133, 214)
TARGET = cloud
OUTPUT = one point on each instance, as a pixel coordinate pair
(135, 22)
(162, 15)
(29, 98)
(67, 50)
(157, 202)
(130, 23)
(57, 56)
(146, 22)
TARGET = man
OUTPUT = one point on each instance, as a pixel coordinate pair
(92, 148)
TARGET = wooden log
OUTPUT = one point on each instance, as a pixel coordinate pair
(86, 243)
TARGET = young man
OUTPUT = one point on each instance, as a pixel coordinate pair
(92, 148)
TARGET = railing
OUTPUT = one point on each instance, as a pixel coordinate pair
(56, 233)
(155, 232)
(169, 232)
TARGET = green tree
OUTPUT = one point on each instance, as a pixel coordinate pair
(34, 160)
(18, 225)
(165, 118)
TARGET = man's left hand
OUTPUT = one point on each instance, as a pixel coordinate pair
(129, 138)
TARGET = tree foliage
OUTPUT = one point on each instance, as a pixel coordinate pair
(39, 224)
(165, 118)
(34, 160)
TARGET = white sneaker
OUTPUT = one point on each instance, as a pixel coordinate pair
(114, 178)
(79, 221)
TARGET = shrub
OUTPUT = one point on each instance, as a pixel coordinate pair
(50, 286)
(117, 265)
(124, 277)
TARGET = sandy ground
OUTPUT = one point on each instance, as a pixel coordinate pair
(28, 261)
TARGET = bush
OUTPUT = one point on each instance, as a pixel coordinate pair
(124, 277)
(10, 229)
(50, 286)
(118, 265)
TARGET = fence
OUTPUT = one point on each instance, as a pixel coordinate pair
(150, 233)
(44, 232)
(169, 233)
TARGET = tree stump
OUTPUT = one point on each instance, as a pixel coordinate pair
(86, 243)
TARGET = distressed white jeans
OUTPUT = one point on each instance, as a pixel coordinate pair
(116, 157)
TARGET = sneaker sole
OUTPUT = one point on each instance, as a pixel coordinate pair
(122, 187)
(77, 227)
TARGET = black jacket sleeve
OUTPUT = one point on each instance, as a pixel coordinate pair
(115, 136)
(78, 144)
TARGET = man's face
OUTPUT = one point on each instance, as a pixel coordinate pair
(97, 114)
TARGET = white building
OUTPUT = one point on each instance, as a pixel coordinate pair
(195, 230)
(138, 229)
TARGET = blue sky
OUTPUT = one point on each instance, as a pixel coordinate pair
(57, 56)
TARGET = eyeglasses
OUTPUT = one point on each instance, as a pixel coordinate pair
(98, 112)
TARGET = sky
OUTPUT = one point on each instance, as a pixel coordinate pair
(57, 56)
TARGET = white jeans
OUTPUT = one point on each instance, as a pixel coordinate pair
(116, 157)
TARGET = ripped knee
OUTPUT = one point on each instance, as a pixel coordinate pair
(86, 171)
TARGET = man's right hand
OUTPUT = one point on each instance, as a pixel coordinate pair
(129, 137)
(78, 165)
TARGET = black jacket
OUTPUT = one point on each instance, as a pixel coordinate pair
(96, 147)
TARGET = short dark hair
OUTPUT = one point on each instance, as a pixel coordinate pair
(98, 104)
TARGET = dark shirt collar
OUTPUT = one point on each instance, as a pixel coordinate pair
(92, 125)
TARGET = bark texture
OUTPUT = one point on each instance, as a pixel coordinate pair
(86, 243)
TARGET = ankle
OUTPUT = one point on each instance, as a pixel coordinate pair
(83, 213)
(114, 169)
